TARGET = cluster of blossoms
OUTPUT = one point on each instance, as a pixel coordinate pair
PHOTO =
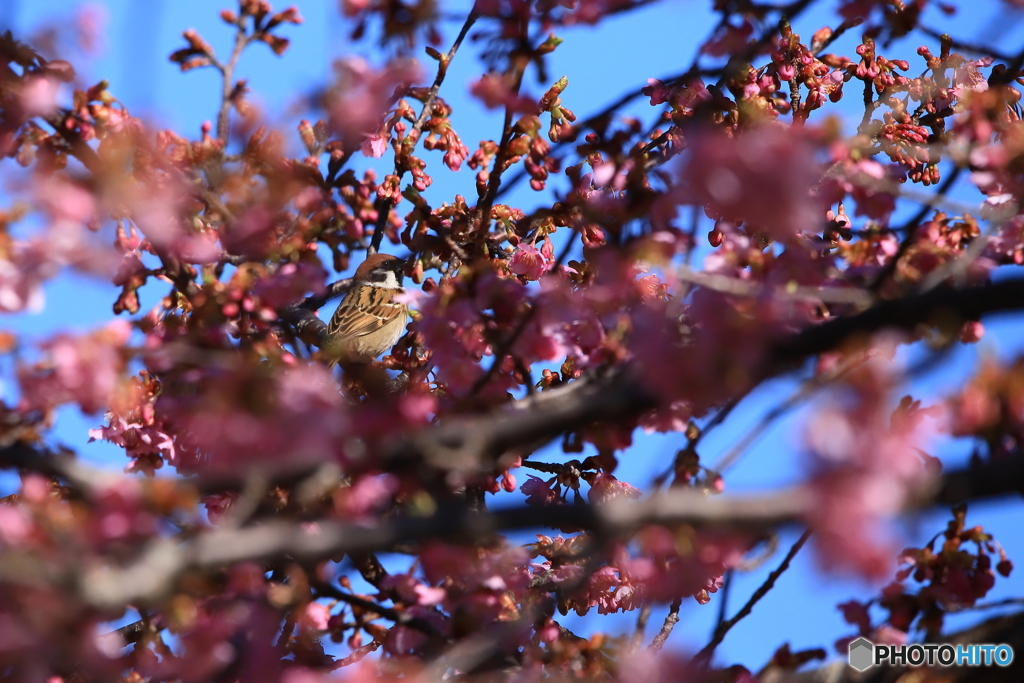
(953, 578)
(278, 546)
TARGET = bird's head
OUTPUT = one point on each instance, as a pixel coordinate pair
(381, 270)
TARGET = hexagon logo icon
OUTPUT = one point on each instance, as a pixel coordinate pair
(862, 654)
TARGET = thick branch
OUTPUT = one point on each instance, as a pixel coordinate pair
(473, 444)
(82, 478)
(938, 306)
(302, 316)
(155, 573)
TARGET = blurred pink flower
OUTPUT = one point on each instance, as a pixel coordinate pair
(160, 214)
(217, 505)
(425, 595)
(417, 408)
(367, 495)
(362, 95)
(314, 617)
(865, 463)
(39, 96)
(866, 181)
(496, 92)
(374, 145)
(251, 234)
(606, 487)
(538, 491)
(290, 283)
(15, 525)
(761, 177)
(21, 282)
(85, 370)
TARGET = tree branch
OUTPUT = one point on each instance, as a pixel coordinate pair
(397, 616)
(302, 315)
(704, 656)
(671, 619)
(936, 306)
(80, 149)
(227, 72)
(157, 569)
(155, 572)
(384, 205)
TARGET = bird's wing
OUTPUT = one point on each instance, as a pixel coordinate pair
(364, 311)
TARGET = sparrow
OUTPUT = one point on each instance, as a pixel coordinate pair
(368, 320)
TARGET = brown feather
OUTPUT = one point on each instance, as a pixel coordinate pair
(371, 262)
(368, 321)
(354, 307)
(359, 327)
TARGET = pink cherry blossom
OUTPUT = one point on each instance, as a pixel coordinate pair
(761, 178)
(362, 95)
(83, 369)
(39, 96)
(494, 92)
(314, 617)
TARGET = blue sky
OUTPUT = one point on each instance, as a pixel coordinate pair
(602, 63)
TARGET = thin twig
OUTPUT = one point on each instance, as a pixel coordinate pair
(806, 390)
(787, 14)
(79, 148)
(227, 71)
(693, 71)
(490, 192)
(837, 33)
(910, 236)
(1008, 602)
(506, 344)
(641, 623)
(671, 619)
(963, 44)
(869, 106)
(723, 597)
(705, 655)
(384, 205)
(328, 591)
(747, 288)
